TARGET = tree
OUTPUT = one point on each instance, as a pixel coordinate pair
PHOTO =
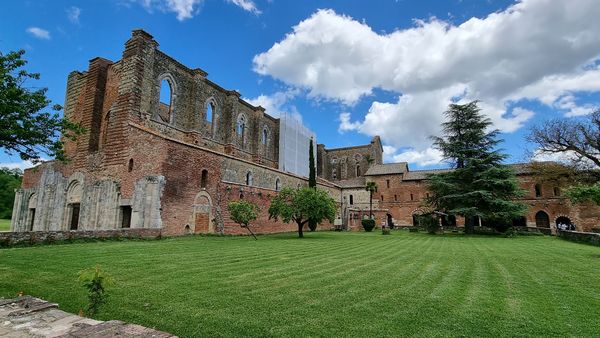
(243, 212)
(301, 206)
(577, 139)
(312, 178)
(584, 193)
(480, 186)
(371, 187)
(10, 179)
(25, 129)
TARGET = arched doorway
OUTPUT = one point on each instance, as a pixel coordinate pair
(202, 213)
(74, 197)
(542, 220)
(564, 223)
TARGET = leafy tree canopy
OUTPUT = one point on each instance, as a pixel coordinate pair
(480, 185)
(584, 193)
(301, 206)
(25, 129)
(10, 179)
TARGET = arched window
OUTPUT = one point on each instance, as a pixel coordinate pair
(556, 191)
(241, 128)
(538, 190)
(265, 136)
(277, 184)
(165, 106)
(203, 178)
(210, 108)
(351, 200)
(249, 178)
(542, 220)
(130, 165)
(358, 170)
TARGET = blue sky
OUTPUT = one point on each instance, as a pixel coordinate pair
(351, 69)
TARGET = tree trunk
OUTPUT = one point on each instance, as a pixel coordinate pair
(370, 204)
(300, 226)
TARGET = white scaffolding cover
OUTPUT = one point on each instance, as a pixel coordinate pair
(294, 140)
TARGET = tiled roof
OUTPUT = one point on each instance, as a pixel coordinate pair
(387, 169)
(422, 174)
(358, 182)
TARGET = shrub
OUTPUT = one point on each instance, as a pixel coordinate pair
(368, 224)
(95, 280)
(596, 230)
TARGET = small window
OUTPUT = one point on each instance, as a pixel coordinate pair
(351, 200)
(387, 183)
(334, 175)
(126, 216)
(358, 173)
(381, 198)
(130, 165)
(556, 191)
(203, 178)
(249, 178)
(427, 195)
(265, 136)
(277, 184)
(395, 198)
(538, 190)
(412, 198)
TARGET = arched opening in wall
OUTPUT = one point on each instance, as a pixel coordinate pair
(520, 221)
(165, 104)
(264, 137)
(351, 200)
(74, 197)
(448, 220)
(202, 213)
(187, 229)
(125, 211)
(538, 190)
(277, 184)
(210, 108)
(203, 178)
(249, 178)
(412, 197)
(564, 223)
(241, 129)
(542, 220)
(358, 173)
(105, 126)
(32, 204)
(130, 165)
(556, 191)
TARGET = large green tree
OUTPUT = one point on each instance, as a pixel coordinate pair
(480, 185)
(10, 179)
(302, 205)
(243, 212)
(25, 128)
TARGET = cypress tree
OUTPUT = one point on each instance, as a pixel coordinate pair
(312, 178)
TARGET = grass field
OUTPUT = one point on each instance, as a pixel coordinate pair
(4, 224)
(328, 284)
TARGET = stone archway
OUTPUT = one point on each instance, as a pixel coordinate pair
(542, 220)
(202, 214)
(564, 223)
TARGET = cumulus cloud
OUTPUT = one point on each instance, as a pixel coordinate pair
(39, 33)
(73, 14)
(276, 104)
(537, 50)
(186, 9)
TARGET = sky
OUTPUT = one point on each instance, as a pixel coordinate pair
(350, 69)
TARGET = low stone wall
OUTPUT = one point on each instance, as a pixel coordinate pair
(35, 237)
(583, 237)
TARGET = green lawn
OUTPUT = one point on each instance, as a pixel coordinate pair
(4, 225)
(328, 284)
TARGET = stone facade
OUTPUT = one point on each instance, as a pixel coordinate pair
(166, 148)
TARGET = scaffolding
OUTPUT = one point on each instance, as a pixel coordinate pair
(294, 140)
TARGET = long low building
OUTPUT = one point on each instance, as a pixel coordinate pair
(166, 148)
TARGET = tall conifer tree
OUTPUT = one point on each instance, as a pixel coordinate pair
(312, 178)
(480, 186)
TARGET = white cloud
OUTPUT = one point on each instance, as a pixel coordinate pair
(39, 33)
(426, 157)
(73, 14)
(277, 103)
(247, 5)
(538, 50)
(186, 9)
(346, 125)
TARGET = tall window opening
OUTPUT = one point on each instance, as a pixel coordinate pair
(387, 183)
(203, 178)
(126, 216)
(538, 190)
(556, 191)
(277, 184)
(74, 223)
(357, 170)
(210, 107)
(412, 197)
(165, 108)
(130, 165)
(249, 178)
(542, 220)
(351, 200)
(31, 219)
(265, 136)
(241, 129)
